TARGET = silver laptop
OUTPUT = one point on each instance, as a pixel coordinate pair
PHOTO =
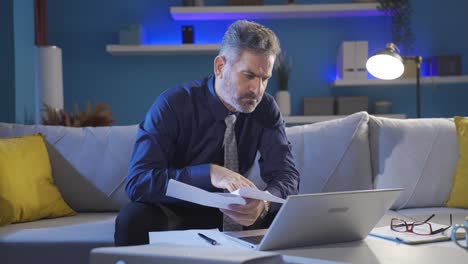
(321, 218)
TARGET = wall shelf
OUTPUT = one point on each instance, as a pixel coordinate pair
(407, 81)
(314, 119)
(275, 11)
(182, 49)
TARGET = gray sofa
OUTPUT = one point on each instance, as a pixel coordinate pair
(360, 151)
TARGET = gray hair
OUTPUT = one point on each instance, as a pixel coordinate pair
(246, 35)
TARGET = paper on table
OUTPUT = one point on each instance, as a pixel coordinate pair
(191, 238)
(193, 194)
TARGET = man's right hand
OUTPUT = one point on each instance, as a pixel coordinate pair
(227, 179)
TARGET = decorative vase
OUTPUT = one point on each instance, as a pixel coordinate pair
(49, 79)
(283, 99)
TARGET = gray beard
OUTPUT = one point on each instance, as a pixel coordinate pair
(236, 102)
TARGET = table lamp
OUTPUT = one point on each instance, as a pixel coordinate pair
(387, 64)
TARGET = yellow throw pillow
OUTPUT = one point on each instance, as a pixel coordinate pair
(27, 190)
(459, 195)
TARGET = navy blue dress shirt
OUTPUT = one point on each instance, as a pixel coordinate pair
(183, 133)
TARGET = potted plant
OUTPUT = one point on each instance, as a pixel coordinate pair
(400, 11)
(283, 67)
(100, 115)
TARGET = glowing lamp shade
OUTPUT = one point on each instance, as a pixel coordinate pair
(386, 64)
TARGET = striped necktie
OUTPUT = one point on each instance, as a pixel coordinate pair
(230, 162)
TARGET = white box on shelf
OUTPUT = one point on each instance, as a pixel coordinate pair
(361, 53)
(345, 61)
(351, 60)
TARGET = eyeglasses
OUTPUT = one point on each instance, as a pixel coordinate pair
(423, 228)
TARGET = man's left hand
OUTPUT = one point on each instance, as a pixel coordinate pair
(247, 214)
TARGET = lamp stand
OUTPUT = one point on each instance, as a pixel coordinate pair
(418, 60)
(418, 86)
(393, 69)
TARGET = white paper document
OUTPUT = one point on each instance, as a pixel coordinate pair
(254, 193)
(193, 194)
(191, 238)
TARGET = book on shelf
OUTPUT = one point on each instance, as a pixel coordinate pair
(387, 233)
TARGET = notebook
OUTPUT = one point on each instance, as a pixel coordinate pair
(321, 218)
(385, 232)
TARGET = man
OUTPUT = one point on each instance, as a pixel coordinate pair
(206, 134)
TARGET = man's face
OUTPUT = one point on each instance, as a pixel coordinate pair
(243, 83)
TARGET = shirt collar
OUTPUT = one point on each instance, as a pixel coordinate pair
(218, 109)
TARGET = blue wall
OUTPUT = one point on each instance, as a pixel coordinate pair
(7, 78)
(17, 57)
(131, 83)
(23, 13)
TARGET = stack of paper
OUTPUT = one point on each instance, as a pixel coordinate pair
(191, 238)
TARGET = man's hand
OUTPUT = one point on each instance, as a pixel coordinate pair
(245, 215)
(227, 179)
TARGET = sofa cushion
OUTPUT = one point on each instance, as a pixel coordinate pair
(27, 190)
(60, 240)
(418, 155)
(331, 155)
(89, 165)
(459, 194)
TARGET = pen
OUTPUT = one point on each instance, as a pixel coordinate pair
(207, 239)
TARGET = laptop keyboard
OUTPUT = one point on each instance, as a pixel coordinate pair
(252, 239)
